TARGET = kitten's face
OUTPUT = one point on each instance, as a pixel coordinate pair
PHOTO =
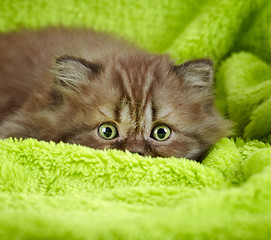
(144, 104)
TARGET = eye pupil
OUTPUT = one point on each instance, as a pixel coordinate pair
(161, 133)
(107, 132)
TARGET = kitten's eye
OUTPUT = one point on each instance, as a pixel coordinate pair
(108, 131)
(161, 133)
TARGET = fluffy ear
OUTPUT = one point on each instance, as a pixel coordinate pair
(71, 71)
(196, 73)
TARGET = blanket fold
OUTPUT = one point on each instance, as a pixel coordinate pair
(64, 191)
(94, 194)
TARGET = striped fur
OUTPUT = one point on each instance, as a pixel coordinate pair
(104, 80)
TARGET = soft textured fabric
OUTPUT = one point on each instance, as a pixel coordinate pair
(62, 191)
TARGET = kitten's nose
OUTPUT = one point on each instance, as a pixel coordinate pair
(138, 152)
(139, 149)
(135, 145)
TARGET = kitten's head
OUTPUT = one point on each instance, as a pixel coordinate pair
(139, 102)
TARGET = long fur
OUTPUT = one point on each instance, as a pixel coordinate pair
(62, 84)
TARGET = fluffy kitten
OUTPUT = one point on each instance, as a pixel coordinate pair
(82, 87)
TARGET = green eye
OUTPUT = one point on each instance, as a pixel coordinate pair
(108, 131)
(160, 133)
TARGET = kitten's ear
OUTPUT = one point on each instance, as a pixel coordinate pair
(70, 72)
(196, 73)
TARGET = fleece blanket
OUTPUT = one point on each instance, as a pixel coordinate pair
(62, 191)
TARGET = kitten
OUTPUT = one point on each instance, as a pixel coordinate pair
(88, 88)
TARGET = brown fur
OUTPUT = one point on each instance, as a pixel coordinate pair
(62, 84)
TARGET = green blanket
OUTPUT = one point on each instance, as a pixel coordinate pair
(62, 191)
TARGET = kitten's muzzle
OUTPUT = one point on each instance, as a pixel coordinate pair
(137, 149)
(138, 152)
(134, 146)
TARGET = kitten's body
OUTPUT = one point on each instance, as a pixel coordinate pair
(61, 85)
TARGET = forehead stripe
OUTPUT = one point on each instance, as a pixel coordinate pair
(126, 82)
